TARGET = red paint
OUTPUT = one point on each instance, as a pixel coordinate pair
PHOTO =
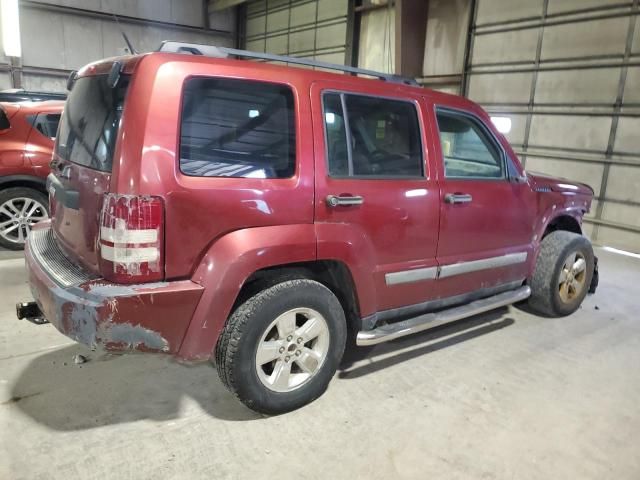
(219, 231)
(24, 151)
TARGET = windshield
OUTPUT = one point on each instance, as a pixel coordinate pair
(90, 121)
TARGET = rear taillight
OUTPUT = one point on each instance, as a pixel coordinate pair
(131, 238)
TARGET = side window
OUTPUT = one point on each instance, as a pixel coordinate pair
(468, 150)
(372, 136)
(45, 123)
(237, 128)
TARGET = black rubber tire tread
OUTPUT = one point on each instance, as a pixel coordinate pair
(235, 351)
(554, 249)
(16, 192)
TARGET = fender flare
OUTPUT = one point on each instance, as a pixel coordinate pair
(226, 266)
(23, 178)
(233, 258)
(553, 213)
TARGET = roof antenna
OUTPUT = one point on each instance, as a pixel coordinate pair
(124, 35)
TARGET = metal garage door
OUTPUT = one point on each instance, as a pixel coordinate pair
(568, 74)
(314, 29)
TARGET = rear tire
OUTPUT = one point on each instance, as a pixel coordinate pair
(281, 347)
(562, 274)
(20, 208)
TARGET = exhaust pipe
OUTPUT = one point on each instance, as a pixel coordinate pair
(30, 311)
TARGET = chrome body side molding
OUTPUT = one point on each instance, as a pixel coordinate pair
(423, 322)
(408, 276)
(484, 264)
(444, 271)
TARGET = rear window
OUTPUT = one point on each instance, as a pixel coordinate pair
(237, 128)
(90, 121)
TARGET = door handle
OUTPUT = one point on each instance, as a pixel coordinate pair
(457, 198)
(343, 200)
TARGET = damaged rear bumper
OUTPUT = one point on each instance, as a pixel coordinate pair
(146, 317)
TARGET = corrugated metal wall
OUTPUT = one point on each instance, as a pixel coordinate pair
(568, 74)
(59, 36)
(314, 29)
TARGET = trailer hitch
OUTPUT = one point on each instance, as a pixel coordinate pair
(30, 311)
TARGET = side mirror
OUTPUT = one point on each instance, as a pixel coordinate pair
(518, 178)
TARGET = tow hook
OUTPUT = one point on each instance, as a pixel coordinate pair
(30, 311)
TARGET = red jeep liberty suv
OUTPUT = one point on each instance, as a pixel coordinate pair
(250, 213)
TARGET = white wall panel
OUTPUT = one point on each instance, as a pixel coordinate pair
(632, 86)
(302, 28)
(575, 132)
(5, 81)
(446, 37)
(517, 46)
(63, 39)
(492, 11)
(628, 136)
(183, 12)
(598, 85)
(43, 83)
(584, 39)
(500, 88)
(565, 104)
(377, 40)
(564, 6)
(624, 183)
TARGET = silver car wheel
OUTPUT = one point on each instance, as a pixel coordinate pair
(292, 349)
(17, 216)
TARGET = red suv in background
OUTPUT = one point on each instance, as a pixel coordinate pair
(252, 214)
(27, 132)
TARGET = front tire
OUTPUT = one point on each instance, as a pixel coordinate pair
(562, 274)
(281, 347)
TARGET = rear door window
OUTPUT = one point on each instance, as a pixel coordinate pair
(237, 128)
(372, 137)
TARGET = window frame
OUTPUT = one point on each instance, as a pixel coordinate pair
(294, 125)
(342, 95)
(473, 117)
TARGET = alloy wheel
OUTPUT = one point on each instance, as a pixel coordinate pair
(17, 216)
(292, 349)
(572, 277)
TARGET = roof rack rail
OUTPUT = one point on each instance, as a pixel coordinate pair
(225, 52)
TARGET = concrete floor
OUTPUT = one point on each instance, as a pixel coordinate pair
(503, 395)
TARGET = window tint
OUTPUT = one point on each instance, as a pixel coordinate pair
(467, 148)
(45, 123)
(90, 122)
(4, 120)
(237, 128)
(383, 140)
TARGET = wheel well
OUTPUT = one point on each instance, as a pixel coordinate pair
(563, 222)
(35, 184)
(332, 274)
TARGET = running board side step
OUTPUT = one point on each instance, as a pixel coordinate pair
(423, 322)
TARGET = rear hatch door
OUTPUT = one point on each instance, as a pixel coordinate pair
(82, 164)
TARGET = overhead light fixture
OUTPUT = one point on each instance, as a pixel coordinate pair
(503, 124)
(10, 28)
